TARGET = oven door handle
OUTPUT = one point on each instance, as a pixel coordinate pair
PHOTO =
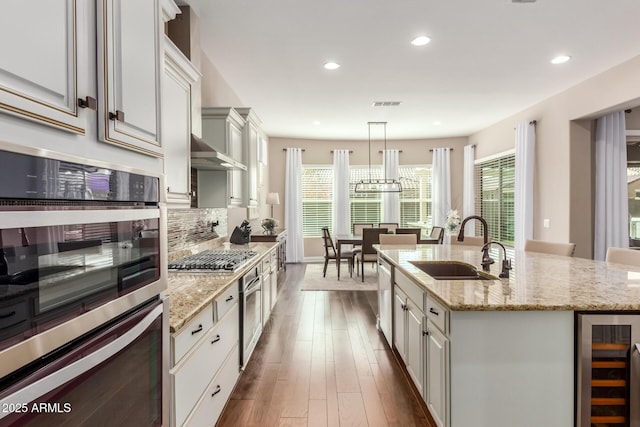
(253, 286)
(51, 382)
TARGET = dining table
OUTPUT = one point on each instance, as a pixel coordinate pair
(346, 239)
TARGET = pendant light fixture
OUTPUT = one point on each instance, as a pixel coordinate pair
(378, 185)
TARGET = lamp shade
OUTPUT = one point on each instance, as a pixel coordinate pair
(273, 199)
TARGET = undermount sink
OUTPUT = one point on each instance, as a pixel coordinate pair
(452, 270)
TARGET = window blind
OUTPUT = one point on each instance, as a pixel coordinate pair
(317, 194)
(494, 189)
(415, 199)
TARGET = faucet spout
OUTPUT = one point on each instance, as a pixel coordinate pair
(506, 263)
(485, 228)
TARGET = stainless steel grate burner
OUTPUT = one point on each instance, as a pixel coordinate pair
(220, 260)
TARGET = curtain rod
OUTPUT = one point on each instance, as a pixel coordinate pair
(350, 151)
(451, 149)
(532, 122)
(381, 151)
(284, 149)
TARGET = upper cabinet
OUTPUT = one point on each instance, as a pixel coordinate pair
(179, 77)
(48, 67)
(43, 57)
(252, 136)
(130, 74)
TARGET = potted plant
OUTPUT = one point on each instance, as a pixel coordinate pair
(269, 225)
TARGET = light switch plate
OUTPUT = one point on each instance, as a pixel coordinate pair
(546, 223)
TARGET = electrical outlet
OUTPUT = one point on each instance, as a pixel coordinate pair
(546, 223)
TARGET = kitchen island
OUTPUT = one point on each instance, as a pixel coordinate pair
(498, 352)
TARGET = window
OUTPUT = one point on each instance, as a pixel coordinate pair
(633, 189)
(495, 184)
(317, 194)
(415, 199)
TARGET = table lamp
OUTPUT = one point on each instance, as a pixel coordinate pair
(273, 199)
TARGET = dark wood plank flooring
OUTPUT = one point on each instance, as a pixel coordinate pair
(322, 362)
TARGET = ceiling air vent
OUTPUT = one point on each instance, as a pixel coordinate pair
(523, 1)
(386, 103)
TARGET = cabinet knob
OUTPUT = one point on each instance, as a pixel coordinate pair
(425, 333)
(88, 102)
(117, 116)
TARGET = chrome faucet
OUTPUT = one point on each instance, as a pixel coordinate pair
(486, 259)
(506, 262)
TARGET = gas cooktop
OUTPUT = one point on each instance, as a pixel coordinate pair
(222, 261)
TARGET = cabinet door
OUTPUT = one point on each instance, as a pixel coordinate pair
(437, 378)
(399, 325)
(274, 287)
(252, 166)
(415, 357)
(178, 78)
(266, 297)
(384, 301)
(129, 74)
(236, 176)
(44, 62)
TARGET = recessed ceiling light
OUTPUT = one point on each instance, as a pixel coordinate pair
(560, 59)
(420, 41)
(331, 66)
(317, 123)
(437, 123)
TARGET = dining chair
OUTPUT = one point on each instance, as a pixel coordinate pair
(370, 237)
(416, 231)
(358, 226)
(553, 248)
(468, 241)
(437, 233)
(390, 226)
(330, 253)
(623, 256)
(398, 239)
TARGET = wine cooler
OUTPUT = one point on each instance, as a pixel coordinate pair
(608, 370)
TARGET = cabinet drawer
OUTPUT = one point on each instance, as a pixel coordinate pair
(437, 313)
(266, 264)
(226, 300)
(413, 291)
(193, 374)
(274, 259)
(183, 340)
(210, 406)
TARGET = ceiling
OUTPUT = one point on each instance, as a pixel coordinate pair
(487, 59)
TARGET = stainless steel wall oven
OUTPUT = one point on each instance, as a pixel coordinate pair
(82, 267)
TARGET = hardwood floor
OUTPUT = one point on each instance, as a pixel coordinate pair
(322, 362)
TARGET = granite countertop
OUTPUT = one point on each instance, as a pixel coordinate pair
(537, 282)
(190, 293)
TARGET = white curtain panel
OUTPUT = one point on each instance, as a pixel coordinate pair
(468, 188)
(441, 191)
(525, 161)
(341, 210)
(391, 201)
(293, 205)
(612, 205)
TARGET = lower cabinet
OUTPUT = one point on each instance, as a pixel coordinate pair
(408, 336)
(206, 372)
(437, 384)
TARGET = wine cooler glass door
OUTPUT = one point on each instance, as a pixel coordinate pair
(608, 369)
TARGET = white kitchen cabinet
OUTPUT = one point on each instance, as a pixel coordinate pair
(130, 74)
(251, 135)
(178, 78)
(222, 129)
(205, 362)
(385, 296)
(408, 336)
(266, 289)
(44, 62)
(437, 375)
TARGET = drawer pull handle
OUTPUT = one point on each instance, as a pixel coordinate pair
(198, 329)
(229, 299)
(217, 391)
(6, 316)
(117, 116)
(88, 102)
(216, 339)
(433, 311)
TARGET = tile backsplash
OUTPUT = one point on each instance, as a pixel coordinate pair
(188, 227)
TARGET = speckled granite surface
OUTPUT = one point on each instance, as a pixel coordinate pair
(189, 293)
(537, 281)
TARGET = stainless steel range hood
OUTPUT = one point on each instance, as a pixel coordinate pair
(204, 157)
